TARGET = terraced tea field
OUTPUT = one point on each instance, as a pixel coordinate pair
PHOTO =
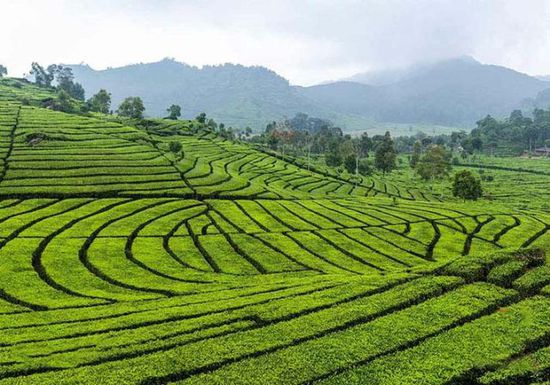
(123, 263)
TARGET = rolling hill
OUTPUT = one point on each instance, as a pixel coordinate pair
(122, 262)
(233, 94)
(455, 92)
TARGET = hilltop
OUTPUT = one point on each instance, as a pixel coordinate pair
(455, 92)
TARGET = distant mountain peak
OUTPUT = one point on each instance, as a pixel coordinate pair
(466, 59)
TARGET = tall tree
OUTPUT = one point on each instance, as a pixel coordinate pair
(384, 158)
(131, 107)
(3, 70)
(42, 77)
(417, 151)
(174, 112)
(65, 81)
(364, 145)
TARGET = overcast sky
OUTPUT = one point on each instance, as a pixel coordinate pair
(305, 41)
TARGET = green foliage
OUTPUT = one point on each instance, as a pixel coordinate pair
(124, 264)
(365, 167)
(434, 164)
(131, 107)
(63, 102)
(417, 151)
(3, 71)
(527, 369)
(175, 146)
(42, 77)
(506, 273)
(333, 159)
(351, 164)
(174, 112)
(466, 186)
(100, 102)
(65, 81)
(201, 118)
(384, 158)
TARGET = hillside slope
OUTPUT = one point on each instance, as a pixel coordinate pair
(233, 94)
(123, 263)
(455, 92)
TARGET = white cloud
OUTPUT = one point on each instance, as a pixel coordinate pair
(306, 41)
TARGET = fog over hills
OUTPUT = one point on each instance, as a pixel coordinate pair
(454, 92)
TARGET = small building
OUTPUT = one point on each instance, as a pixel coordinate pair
(542, 151)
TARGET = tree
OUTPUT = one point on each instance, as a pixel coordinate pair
(434, 164)
(364, 145)
(77, 91)
(384, 158)
(42, 77)
(100, 102)
(3, 70)
(174, 112)
(201, 118)
(212, 124)
(63, 75)
(334, 159)
(417, 150)
(364, 167)
(466, 186)
(65, 81)
(63, 102)
(351, 164)
(131, 107)
(175, 146)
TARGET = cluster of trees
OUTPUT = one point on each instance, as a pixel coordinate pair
(517, 133)
(61, 78)
(313, 137)
(131, 107)
(512, 136)
(62, 75)
(430, 161)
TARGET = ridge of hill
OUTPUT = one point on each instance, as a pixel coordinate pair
(454, 92)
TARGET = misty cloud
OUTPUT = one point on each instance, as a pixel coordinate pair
(305, 41)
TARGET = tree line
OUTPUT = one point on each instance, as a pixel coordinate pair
(514, 135)
(319, 139)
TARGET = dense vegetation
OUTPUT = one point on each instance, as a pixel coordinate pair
(158, 251)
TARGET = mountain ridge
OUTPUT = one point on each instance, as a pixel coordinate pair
(454, 92)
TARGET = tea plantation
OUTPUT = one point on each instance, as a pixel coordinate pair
(124, 263)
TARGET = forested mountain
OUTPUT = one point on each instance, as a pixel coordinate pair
(452, 92)
(456, 92)
(234, 94)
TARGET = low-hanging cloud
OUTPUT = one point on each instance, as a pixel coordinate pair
(306, 41)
